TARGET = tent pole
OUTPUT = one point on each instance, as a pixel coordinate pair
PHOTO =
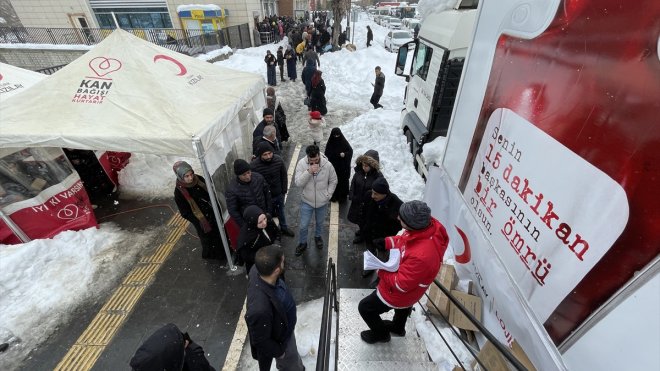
(199, 149)
(14, 227)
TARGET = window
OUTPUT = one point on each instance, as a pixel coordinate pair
(134, 18)
(422, 61)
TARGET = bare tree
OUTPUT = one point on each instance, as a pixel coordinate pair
(340, 9)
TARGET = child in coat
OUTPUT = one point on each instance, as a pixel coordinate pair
(316, 124)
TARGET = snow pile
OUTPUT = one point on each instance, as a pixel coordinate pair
(225, 50)
(427, 7)
(186, 7)
(151, 176)
(44, 281)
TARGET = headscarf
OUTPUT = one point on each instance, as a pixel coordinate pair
(334, 147)
(183, 167)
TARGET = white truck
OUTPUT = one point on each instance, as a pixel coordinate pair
(434, 75)
(549, 178)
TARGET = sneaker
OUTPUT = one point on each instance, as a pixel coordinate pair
(319, 242)
(287, 232)
(390, 327)
(301, 248)
(370, 337)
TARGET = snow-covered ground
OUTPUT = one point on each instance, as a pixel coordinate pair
(44, 281)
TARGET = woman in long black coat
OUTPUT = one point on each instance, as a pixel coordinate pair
(258, 231)
(340, 154)
(291, 59)
(194, 203)
(317, 94)
(367, 169)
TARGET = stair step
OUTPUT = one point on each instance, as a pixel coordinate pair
(407, 349)
(385, 366)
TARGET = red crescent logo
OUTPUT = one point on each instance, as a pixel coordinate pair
(182, 68)
(1, 77)
(467, 255)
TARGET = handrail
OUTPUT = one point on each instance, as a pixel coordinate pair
(503, 350)
(330, 303)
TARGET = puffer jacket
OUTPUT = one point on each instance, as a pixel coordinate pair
(317, 189)
(274, 171)
(361, 185)
(421, 257)
(240, 195)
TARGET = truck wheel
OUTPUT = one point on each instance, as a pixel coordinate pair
(409, 140)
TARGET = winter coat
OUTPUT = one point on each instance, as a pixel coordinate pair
(280, 58)
(270, 60)
(274, 171)
(211, 242)
(258, 131)
(342, 165)
(290, 64)
(361, 185)
(316, 128)
(164, 350)
(266, 321)
(313, 56)
(379, 85)
(251, 238)
(317, 100)
(274, 147)
(421, 256)
(317, 189)
(273, 102)
(370, 35)
(300, 48)
(240, 195)
(381, 218)
(306, 75)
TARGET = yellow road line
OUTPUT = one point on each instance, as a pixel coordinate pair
(240, 333)
(98, 334)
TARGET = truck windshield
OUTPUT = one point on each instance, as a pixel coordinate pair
(422, 61)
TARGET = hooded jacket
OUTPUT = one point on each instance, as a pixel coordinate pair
(422, 252)
(361, 185)
(316, 189)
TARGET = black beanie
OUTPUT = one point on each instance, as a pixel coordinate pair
(241, 166)
(380, 186)
(416, 214)
(262, 148)
(267, 112)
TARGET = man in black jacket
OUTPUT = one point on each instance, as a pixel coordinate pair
(272, 167)
(379, 85)
(271, 313)
(270, 138)
(246, 189)
(268, 119)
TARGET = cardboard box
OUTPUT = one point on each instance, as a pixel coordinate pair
(448, 278)
(472, 303)
(519, 353)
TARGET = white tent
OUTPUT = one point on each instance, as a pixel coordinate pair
(15, 80)
(129, 95)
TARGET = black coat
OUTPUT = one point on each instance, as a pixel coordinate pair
(361, 185)
(306, 75)
(240, 195)
(212, 247)
(258, 131)
(379, 85)
(291, 59)
(280, 58)
(251, 238)
(266, 320)
(381, 218)
(317, 98)
(274, 171)
(274, 147)
(342, 165)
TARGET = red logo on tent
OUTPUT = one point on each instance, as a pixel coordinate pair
(466, 256)
(1, 77)
(102, 66)
(182, 68)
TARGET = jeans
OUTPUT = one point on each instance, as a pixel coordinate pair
(306, 211)
(278, 209)
(371, 307)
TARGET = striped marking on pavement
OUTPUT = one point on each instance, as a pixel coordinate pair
(88, 348)
(240, 333)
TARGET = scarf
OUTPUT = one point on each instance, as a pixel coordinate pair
(206, 226)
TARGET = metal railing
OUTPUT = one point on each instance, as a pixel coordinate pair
(50, 70)
(330, 303)
(183, 41)
(500, 348)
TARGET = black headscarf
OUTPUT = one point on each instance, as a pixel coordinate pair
(334, 147)
(250, 235)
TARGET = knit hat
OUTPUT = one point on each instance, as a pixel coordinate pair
(380, 186)
(316, 115)
(262, 148)
(181, 168)
(416, 214)
(268, 112)
(241, 167)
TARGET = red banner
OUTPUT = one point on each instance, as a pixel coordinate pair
(112, 162)
(64, 206)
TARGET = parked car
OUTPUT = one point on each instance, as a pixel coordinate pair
(410, 23)
(394, 23)
(395, 39)
(385, 20)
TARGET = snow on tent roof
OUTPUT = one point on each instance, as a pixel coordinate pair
(127, 94)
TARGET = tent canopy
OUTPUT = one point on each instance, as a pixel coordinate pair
(127, 94)
(14, 80)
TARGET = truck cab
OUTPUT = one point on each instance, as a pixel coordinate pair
(432, 64)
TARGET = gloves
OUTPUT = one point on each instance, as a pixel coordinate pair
(379, 243)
